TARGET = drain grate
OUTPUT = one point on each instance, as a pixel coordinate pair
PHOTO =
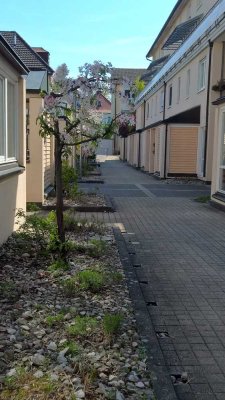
(152, 303)
(162, 334)
(137, 265)
(144, 282)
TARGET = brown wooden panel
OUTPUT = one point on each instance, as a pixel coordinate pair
(183, 146)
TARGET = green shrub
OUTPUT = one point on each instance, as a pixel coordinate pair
(97, 248)
(42, 229)
(112, 324)
(69, 179)
(53, 320)
(32, 207)
(82, 326)
(59, 265)
(91, 280)
(203, 199)
(70, 287)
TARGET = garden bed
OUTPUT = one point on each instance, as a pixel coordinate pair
(83, 203)
(67, 330)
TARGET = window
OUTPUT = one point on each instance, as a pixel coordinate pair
(162, 101)
(188, 83)
(156, 101)
(170, 95)
(201, 74)
(147, 110)
(8, 120)
(178, 89)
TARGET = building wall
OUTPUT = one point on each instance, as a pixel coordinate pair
(13, 188)
(35, 167)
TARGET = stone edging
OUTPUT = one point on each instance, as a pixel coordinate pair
(161, 380)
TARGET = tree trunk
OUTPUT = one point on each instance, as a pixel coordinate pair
(59, 186)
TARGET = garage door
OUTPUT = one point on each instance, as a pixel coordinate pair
(183, 146)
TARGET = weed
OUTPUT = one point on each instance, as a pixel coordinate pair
(53, 320)
(112, 324)
(9, 290)
(73, 348)
(59, 265)
(116, 276)
(97, 248)
(70, 287)
(32, 207)
(83, 326)
(82, 225)
(91, 280)
(202, 199)
(42, 229)
(24, 385)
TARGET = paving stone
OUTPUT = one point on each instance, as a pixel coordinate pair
(182, 253)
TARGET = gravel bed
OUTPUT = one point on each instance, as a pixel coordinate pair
(83, 199)
(53, 344)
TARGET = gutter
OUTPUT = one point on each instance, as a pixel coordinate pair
(207, 107)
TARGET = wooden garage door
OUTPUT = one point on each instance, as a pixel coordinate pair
(183, 146)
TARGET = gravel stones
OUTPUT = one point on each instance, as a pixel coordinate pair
(47, 350)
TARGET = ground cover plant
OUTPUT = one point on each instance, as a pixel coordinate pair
(67, 329)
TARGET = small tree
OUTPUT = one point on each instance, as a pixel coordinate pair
(69, 114)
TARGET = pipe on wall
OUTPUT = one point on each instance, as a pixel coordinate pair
(207, 107)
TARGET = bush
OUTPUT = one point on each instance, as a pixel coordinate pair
(69, 179)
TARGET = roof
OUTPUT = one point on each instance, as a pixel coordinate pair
(203, 29)
(130, 73)
(28, 56)
(36, 80)
(154, 67)
(39, 49)
(177, 5)
(12, 57)
(181, 32)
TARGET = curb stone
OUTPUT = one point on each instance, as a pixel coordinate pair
(161, 381)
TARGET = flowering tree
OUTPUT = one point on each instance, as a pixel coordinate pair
(126, 123)
(69, 115)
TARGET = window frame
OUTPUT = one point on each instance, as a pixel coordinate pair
(4, 158)
(170, 96)
(201, 77)
(178, 89)
(188, 83)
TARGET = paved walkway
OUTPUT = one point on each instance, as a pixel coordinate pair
(180, 245)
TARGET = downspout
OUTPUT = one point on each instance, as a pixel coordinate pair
(166, 131)
(114, 138)
(139, 144)
(207, 107)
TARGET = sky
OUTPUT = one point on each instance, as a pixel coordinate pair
(78, 31)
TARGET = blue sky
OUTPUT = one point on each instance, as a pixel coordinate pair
(79, 31)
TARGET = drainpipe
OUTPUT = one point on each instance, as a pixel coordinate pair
(114, 138)
(166, 131)
(207, 107)
(139, 144)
